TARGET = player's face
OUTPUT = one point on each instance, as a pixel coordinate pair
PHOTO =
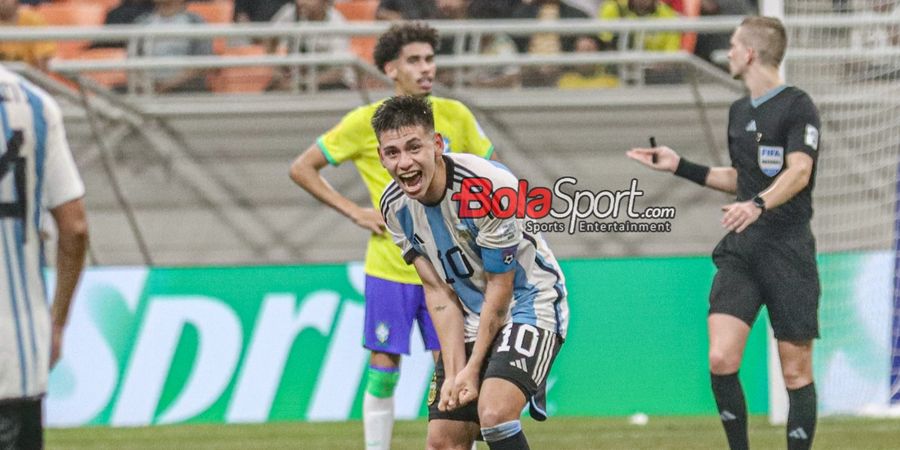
(738, 55)
(413, 71)
(411, 156)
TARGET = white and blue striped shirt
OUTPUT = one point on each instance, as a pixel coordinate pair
(463, 249)
(36, 172)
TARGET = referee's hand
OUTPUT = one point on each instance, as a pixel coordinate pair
(660, 158)
(738, 216)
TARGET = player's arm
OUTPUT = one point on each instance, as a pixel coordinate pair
(70, 252)
(665, 159)
(449, 323)
(305, 171)
(494, 312)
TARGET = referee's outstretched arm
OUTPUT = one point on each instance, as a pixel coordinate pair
(665, 159)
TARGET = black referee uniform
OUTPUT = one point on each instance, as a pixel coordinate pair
(773, 261)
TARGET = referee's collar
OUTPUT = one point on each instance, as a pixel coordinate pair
(755, 102)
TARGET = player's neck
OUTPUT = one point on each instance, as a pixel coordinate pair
(762, 79)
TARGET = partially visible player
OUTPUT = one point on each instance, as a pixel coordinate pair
(36, 171)
(769, 255)
(394, 296)
(495, 293)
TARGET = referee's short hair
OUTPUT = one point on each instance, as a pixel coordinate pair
(403, 111)
(766, 36)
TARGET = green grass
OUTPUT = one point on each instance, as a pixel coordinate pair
(557, 434)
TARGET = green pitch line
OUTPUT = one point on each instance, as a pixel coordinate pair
(557, 433)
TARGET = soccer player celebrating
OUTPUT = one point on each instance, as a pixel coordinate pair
(37, 171)
(769, 255)
(496, 294)
(394, 296)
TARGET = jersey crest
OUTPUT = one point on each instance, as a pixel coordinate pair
(771, 159)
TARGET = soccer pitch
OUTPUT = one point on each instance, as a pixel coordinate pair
(557, 433)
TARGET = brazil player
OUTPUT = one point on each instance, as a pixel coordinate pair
(36, 171)
(768, 257)
(495, 293)
(394, 296)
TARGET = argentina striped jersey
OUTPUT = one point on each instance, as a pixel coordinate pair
(462, 250)
(36, 171)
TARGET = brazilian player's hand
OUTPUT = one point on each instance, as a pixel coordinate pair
(738, 216)
(466, 387)
(369, 219)
(657, 158)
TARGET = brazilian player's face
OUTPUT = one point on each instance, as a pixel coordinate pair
(411, 155)
(414, 69)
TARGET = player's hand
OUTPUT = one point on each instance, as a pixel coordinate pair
(666, 159)
(466, 387)
(55, 345)
(369, 219)
(447, 402)
(738, 216)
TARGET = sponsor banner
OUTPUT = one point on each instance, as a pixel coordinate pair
(257, 344)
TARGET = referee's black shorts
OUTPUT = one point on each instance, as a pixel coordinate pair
(773, 266)
(20, 424)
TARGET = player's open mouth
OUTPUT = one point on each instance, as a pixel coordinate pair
(425, 84)
(411, 180)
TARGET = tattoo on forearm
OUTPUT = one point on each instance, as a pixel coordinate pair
(440, 308)
(501, 313)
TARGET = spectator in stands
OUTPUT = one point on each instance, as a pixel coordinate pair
(173, 12)
(588, 76)
(545, 43)
(627, 9)
(406, 10)
(299, 11)
(126, 13)
(37, 54)
(654, 42)
(256, 10)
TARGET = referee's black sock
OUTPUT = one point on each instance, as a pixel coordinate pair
(732, 409)
(801, 423)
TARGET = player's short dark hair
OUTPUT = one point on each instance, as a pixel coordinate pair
(766, 36)
(399, 35)
(403, 111)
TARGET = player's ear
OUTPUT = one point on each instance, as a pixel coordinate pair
(390, 69)
(438, 143)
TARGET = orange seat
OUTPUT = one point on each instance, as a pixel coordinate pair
(110, 78)
(71, 14)
(360, 11)
(218, 11)
(106, 4)
(241, 79)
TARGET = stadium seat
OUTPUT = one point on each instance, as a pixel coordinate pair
(241, 79)
(214, 12)
(106, 4)
(71, 14)
(217, 11)
(111, 78)
(360, 11)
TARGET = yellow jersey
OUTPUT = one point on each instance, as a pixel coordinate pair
(354, 139)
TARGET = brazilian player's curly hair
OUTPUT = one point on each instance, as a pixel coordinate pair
(399, 35)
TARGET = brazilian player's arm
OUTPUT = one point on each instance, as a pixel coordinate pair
(447, 316)
(305, 171)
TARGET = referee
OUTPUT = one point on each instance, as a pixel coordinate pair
(768, 256)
